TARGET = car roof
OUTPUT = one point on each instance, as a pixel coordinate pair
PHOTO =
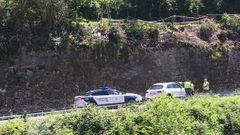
(165, 83)
(101, 89)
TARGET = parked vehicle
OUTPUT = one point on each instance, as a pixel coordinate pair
(105, 96)
(170, 89)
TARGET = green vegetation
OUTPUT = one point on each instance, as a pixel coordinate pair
(231, 22)
(194, 6)
(165, 115)
(207, 29)
(59, 24)
(218, 52)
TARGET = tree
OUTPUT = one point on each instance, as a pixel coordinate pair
(194, 6)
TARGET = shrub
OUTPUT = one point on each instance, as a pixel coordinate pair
(228, 111)
(216, 55)
(221, 51)
(206, 30)
(117, 35)
(86, 27)
(137, 29)
(194, 6)
(104, 24)
(231, 22)
(15, 127)
(205, 113)
(97, 121)
(164, 115)
(54, 125)
(225, 48)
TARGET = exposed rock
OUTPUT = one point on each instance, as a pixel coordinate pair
(52, 81)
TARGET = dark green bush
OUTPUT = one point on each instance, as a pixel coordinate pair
(138, 29)
(206, 30)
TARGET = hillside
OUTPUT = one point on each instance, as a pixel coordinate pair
(131, 62)
(51, 51)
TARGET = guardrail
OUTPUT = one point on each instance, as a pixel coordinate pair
(3, 118)
(26, 115)
(172, 19)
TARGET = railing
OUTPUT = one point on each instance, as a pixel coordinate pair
(9, 117)
(174, 19)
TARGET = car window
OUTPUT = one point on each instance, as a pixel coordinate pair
(99, 93)
(116, 92)
(170, 86)
(113, 92)
(88, 93)
(156, 87)
(176, 86)
(110, 92)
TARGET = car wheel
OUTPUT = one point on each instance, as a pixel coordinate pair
(132, 101)
(169, 95)
(92, 103)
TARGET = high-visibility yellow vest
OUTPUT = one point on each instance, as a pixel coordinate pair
(206, 85)
(187, 85)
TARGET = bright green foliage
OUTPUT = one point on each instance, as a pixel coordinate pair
(138, 29)
(16, 127)
(54, 125)
(165, 116)
(205, 113)
(231, 22)
(198, 115)
(86, 27)
(220, 52)
(169, 2)
(216, 55)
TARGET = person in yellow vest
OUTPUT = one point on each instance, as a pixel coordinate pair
(188, 88)
(206, 86)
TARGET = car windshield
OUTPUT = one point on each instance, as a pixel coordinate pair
(156, 87)
(116, 92)
(88, 93)
(103, 92)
